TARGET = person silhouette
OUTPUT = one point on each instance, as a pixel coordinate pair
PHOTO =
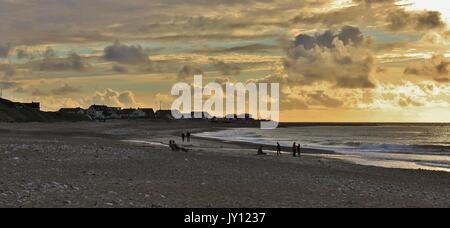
(278, 149)
(294, 149)
(188, 136)
(299, 150)
(183, 136)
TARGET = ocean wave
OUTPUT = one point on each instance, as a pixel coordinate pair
(383, 147)
(359, 145)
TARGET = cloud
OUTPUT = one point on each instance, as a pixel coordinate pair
(128, 99)
(4, 50)
(334, 17)
(119, 69)
(407, 94)
(437, 68)
(111, 97)
(72, 63)
(94, 20)
(251, 48)
(226, 69)
(381, 14)
(23, 54)
(319, 98)
(39, 93)
(400, 20)
(8, 71)
(348, 35)
(340, 57)
(20, 89)
(188, 71)
(125, 54)
(8, 85)
(65, 90)
(409, 102)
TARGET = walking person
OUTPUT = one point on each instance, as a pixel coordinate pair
(294, 149)
(188, 135)
(278, 149)
(299, 150)
(183, 136)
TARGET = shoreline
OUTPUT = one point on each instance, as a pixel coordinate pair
(255, 146)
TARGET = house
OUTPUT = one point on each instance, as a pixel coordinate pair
(127, 113)
(150, 114)
(96, 111)
(142, 113)
(103, 112)
(204, 115)
(245, 116)
(78, 111)
(231, 117)
(166, 114)
(138, 114)
(112, 113)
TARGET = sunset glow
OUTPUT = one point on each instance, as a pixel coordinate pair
(360, 60)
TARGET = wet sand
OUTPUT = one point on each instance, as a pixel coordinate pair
(127, 164)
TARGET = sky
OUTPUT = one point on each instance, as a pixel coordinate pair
(335, 60)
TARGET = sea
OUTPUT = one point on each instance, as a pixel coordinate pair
(406, 146)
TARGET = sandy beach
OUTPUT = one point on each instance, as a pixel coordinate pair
(128, 164)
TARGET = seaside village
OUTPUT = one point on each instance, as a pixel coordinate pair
(103, 113)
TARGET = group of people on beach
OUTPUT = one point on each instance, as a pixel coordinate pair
(174, 147)
(296, 150)
(186, 136)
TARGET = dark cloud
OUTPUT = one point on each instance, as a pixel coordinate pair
(101, 20)
(438, 68)
(188, 72)
(225, 68)
(65, 90)
(333, 17)
(60, 91)
(348, 35)
(341, 57)
(49, 53)
(401, 19)
(251, 48)
(72, 63)
(119, 69)
(125, 54)
(22, 54)
(4, 50)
